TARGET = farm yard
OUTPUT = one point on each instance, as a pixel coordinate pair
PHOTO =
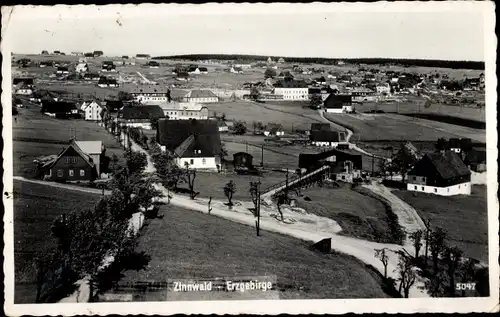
(34, 134)
(36, 207)
(358, 215)
(465, 218)
(393, 127)
(186, 244)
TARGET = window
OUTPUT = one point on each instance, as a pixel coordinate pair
(203, 161)
(458, 186)
(60, 173)
(414, 178)
(82, 172)
(71, 173)
(448, 190)
(435, 190)
(191, 161)
(422, 187)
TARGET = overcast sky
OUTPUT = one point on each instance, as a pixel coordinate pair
(277, 31)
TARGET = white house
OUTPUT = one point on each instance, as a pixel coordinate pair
(243, 66)
(193, 142)
(201, 96)
(150, 93)
(292, 90)
(383, 88)
(325, 138)
(92, 111)
(441, 173)
(184, 111)
(236, 70)
(23, 90)
(82, 68)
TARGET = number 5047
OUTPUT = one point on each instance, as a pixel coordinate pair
(465, 286)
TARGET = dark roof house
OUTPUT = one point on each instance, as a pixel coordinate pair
(337, 101)
(142, 112)
(325, 136)
(441, 169)
(321, 127)
(60, 109)
(190, 138)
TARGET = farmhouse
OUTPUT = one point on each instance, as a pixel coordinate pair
(60, 109)
(274, 129)
(27, 82)
(441, 173)
(92, 110)
(292, 90)
(153, 64)
(195, 142)
(338, 104)
(107, 82)
(139, 116)
(184, 111)
(361, 94)
(22, 89)
(80, 161)
(108, 66)
(327, 138)
(151, 93)
(200, 96)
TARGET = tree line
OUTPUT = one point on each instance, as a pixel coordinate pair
(476, 65)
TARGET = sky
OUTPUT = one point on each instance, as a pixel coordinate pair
(289, 30)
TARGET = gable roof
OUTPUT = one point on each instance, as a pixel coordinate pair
(141, 112)
(337, 101)
(321, 127)
(73, 145)
(87, 104)
(58, 107)
(448, 165)
(274, 127)
(201, 94)
(149, 89)
(324, 136)
(90, 147)
(184, 137)
(114, 105)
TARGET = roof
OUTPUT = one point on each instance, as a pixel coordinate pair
(290, 84)
(185, 137)
(475, 156)
(187, 106)
(58, 106)
(337, 101)
(242, 154)
(73, 145)
(448, 165)
(321, 127)
(114, 105)
(141, 112)
(90, 147)
(201, 94)
(24, 80)
(178, 93)
(149, 89)
(324, 136)
(274, 127)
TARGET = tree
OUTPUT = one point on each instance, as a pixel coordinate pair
(269, 73)
(154, 122)
(416, 238)
(239, 128)
(381, 254)
(223, 116)
(136, 162)
(436, 245)
(254, 93)
(442, 144)
(316, 101)
(254, 126)
(144, 141)
(402, 162)
(229, 190)
(427, 239)
(281, 199)
(407, 275)
(113, 127)
(124, 96)
(43, 263)
(254, 194)
(467, 271)
(190, 177)
(452, 257)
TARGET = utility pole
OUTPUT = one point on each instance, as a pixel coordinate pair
(262, 155)
(258, 208)
(286, 185)
(246, 146)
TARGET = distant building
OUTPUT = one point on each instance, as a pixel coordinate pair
(108, 66)
(107, 82)
(139, 116)
(92, 110)
(91, 77)
(475, 160)
(195, 142)
(222, 126)
(292, 90)
(338, 104)
(153, 64)
(82, 68)
(98, 53)
(242, 160)
(142, 56)
(327, 138)
(62, 70)
(184, 111)
(236, 70)
(151, 93)
(60, 109)
(345, 165)
(281, 60)
(361, 94)
(201, 96)
(384, 88)
(274, 129)
(440, 173)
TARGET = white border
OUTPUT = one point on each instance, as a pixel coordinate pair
(335, 306)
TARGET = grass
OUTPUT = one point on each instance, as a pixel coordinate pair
(35, 208)
(465, 218)
(35, 134)
(187, 244)
(359, 216)
(379, 127)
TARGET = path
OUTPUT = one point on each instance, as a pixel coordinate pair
(407, 215)
(144, 78)
(63, 186)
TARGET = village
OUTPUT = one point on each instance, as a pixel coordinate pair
(379, 165)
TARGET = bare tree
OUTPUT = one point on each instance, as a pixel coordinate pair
(229, 190)
(452, 257)
(436, 246)
(416, 238)
(407, 275)
(254, 193)
(281, 199)
(190, 176)
(427, 238)
(381, 254)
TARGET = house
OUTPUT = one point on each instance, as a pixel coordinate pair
(361, 94)
(184, 111)
(153, 64)
(60, 109)
(383, 89)
(139, 116)
(200, 96)
(91, 77)
(243, 65)
(195, 142)
(454, 145)
(222, 126)
(182, 76)
(338, 104)
(236, 70)
(347, 163)
(98, 53)
(203, 70)
(274, 129)
(320, 127)
(194, 70)
(22, 89)
(281, 60)
(82, 68)
(74, 163)
(475, 160)
(62, 70)
(242, 160)
(93, 110)
(292, 90)
(440, 173)
(27, 82)
(107, 82)
(142, 56)
(151, 93)
(327, 138)
(108, 66)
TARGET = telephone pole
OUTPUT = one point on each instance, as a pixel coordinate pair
(262, 155)
(258, 208)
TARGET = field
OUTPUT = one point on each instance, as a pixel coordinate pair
(359, 216)
(35, 208)
(187, 244)
(379, 127)
(35, 134)
(465, 218)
